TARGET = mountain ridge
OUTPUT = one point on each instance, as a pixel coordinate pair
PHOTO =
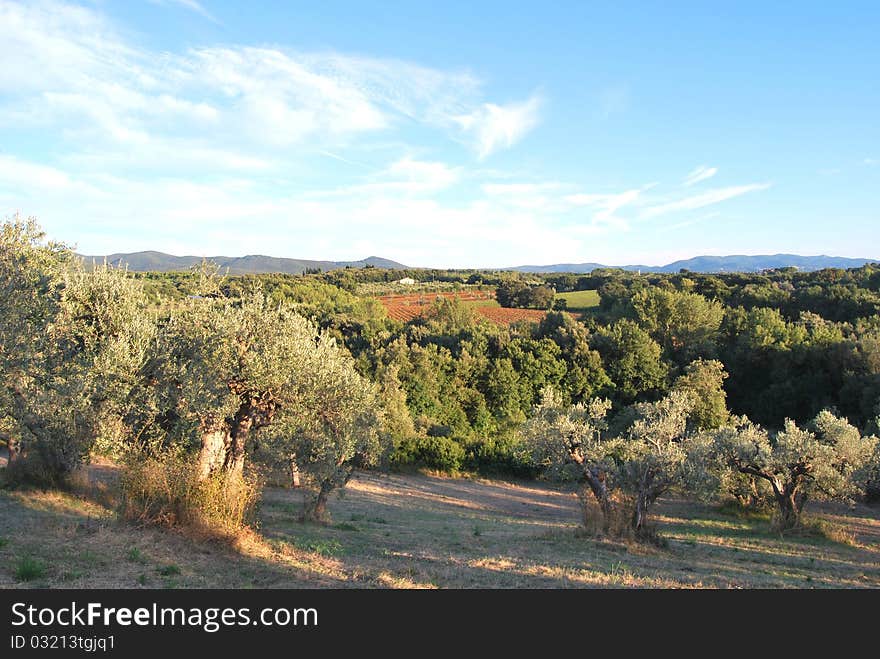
(713, 264)
(151, 260)
(154, 261)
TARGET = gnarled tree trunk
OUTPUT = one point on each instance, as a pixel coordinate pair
(213, 452)
(789, 495)
(595, 479)
(316, 511)
(224, 442)
(640, 512)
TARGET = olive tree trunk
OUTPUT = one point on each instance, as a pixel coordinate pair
(223, 443)
(295, 480)
(13, 447)
(316, 510)
(596, 482)
(789, 495)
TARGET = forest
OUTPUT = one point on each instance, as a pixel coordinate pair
(760, 388)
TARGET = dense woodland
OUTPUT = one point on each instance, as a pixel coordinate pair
(764, 386)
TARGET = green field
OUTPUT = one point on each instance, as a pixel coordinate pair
(580, 300)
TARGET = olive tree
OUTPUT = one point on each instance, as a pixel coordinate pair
(338, 427)
(104, 334)
(68, 350)
(824, 460)
(31, 271)
(568, 443)
(224, 369)
(654, 453)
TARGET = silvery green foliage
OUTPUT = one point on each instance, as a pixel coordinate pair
(239, 368)
(654, 454)
(66, 342)
(339, 427)
(842, 474)
(711, 478)
(870, 473)
(30, 286)
(566, 440)
(42, 405)
(104, 334)
(827, 460)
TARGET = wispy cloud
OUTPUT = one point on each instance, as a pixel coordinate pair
(494, 127)
(191, 5)
(405, 177)
(606, 207)
(176, 150)
(706, 199)
(67, 68)
(700, 173)
(688, 223)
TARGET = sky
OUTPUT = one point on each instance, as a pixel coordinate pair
(448, 134)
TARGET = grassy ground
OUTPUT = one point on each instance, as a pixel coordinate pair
(481, 303)
(582, 301)
(418, 531)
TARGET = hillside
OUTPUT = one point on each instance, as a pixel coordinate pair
(237, 265)
(415, 531)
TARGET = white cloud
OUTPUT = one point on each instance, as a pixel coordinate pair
(68, 69)
(191, 5)
(700, 173)
(495, 127)
(431, 175)
(403, 177)
(606, 206)
(706, 199)
(545, 197)
(397, 215)
(180, 151)
(871, 161)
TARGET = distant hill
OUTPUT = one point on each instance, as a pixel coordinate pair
(237, 265)
(259, 264)
(737, 263)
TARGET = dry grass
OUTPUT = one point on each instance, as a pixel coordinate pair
(417, 531)
(168, 492)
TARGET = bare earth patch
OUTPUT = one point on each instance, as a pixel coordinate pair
(416, 531)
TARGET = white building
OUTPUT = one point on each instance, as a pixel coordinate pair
(407, 281)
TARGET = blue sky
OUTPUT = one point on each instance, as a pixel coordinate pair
(455, 134)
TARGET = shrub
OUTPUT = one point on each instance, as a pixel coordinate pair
(32, 470)
(168, 491)
(441, 453)
(499, 455)
(28, 569)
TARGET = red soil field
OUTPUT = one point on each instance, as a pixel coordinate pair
(505, 316)
(405, 308)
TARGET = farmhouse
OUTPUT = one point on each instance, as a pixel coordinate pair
(408, 281)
